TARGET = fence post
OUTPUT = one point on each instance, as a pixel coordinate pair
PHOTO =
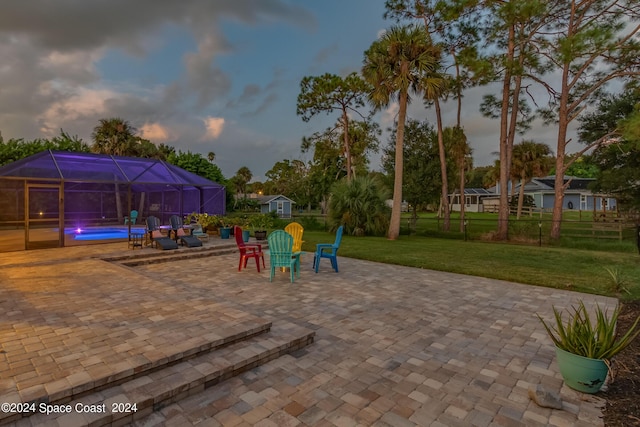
(539, 233)
(638, 237)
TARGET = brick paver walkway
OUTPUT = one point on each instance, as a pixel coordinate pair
(394, 346)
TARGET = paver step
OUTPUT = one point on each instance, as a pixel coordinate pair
(80, 384)
(153, 391)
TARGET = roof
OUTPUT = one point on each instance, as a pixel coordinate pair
(476, 191)
(547, 183)
(100, 168)
(266, 199)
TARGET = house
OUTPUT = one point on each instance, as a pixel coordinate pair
(473, 199)
(577, 196)
(278, 203)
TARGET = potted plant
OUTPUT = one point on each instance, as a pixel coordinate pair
(225, 227)
(209, 223)
(260, 224)
(584, 348)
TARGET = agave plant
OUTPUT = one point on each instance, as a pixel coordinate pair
(585, 338)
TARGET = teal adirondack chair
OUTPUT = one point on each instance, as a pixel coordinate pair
(133, 216)
(281, 253)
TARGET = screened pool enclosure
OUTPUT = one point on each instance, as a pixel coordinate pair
(54, 198)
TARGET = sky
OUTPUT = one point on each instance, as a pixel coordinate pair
(198, 75)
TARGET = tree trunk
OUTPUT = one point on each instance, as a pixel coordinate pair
(347, 149)
(505, 155)
(394, 224)
(443, 169)
(462, 197)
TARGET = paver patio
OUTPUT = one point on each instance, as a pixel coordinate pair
(394, 346)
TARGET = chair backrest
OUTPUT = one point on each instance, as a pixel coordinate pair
(237, 232)
(296, 231)
(280, 248)
(152, 223)
(133, 215)
(176, 222)
(336, 244)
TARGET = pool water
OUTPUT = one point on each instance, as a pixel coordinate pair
(102, 233)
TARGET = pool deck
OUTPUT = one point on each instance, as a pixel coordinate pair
(393, 346)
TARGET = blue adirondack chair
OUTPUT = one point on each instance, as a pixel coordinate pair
(328, 250)
(281, 253)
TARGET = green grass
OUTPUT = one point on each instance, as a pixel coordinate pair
(557, 267)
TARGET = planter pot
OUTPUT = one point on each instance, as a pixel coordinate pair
(582, 373)
(261, 235)
(245, 235)
(225, 232)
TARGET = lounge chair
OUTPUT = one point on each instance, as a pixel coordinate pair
(179, 234)
(197, 231)
(156, 237)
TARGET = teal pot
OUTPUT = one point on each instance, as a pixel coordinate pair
(582, 373)
(245, 235)
(225, 232)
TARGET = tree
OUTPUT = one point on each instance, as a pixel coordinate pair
(114, 136)
(592, 43)
(16, 149)
(530, 159)
(242, 178)
(360, 206)
(618, 160)
(421, 175)
(329, 92)
(475, 177)
(394, 65)
(211, 156)
(196, 163)
(460, 150)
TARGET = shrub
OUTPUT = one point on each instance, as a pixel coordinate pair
(359, 205)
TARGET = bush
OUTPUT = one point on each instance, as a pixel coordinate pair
(359, 205)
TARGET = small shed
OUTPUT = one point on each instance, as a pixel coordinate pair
(473, 199)
(280, 204)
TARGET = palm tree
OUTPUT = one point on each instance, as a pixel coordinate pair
(242, 178)
(395, 64)
(114, 136)
(434, 87)
(211, 156)
(530, 159)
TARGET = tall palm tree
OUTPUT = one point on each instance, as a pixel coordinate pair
(530, 159)
(434, 87)
(114, 136)
(211, 156)
(394, 65)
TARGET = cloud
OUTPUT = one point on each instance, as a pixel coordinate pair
(155, 132)
(214, 126)
(390, 115)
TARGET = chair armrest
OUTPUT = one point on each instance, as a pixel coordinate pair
(254, 245)
(324, 245)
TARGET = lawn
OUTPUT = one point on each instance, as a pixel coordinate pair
(558, 267)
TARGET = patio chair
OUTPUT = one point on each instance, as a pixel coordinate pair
(328, 250)
(133, 216)
(179, 234)
(248, 250)
(281, 253)
(156, 237)
(296, 231)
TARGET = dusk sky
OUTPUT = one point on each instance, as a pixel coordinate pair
(199, 75)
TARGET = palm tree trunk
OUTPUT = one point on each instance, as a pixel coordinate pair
(462, 197)
(394, 224)
(443, 168)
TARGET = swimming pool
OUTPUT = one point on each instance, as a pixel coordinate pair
(101, 233)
